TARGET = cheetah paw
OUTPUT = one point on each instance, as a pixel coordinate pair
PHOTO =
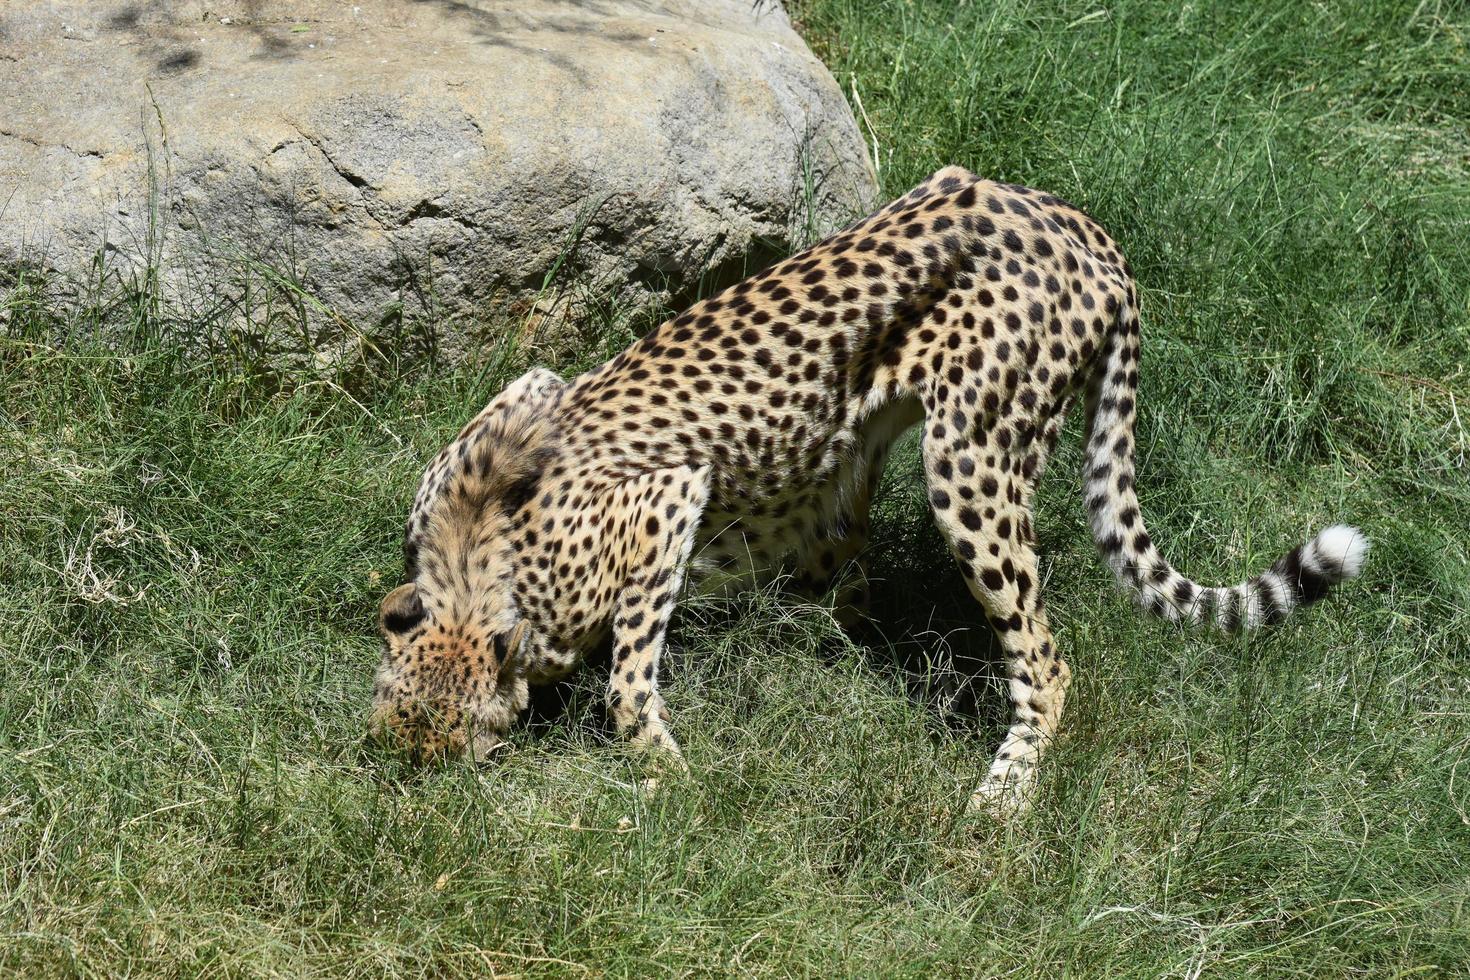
(656, 739)
(1004, 795)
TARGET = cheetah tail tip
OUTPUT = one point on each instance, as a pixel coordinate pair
(1343, 549)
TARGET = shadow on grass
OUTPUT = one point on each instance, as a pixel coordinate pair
(924, 630)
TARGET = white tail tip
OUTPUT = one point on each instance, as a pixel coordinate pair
(1340, 551)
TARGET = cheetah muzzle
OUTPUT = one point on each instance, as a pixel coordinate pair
(747, 435)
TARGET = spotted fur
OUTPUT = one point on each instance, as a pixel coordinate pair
(747, 434)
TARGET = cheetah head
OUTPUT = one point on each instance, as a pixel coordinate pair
(448, 685)
(452, 678)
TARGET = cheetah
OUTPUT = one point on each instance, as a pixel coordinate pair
(746, 436)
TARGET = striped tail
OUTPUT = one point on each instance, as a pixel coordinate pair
(1300, 578)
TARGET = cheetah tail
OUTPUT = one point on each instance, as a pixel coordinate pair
(1299, 578)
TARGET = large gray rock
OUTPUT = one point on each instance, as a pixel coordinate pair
(431, 152)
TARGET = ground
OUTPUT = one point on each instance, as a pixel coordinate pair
(192, 549)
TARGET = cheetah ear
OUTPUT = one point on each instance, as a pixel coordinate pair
(401, 611)
(515, 643)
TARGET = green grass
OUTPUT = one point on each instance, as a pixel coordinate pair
(192, 547)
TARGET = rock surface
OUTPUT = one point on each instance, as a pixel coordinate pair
(430, 153)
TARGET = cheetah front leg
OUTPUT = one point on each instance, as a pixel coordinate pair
(662, 511)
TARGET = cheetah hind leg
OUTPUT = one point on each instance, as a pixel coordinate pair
(988, 531)
(835, 561)
(838, 557)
